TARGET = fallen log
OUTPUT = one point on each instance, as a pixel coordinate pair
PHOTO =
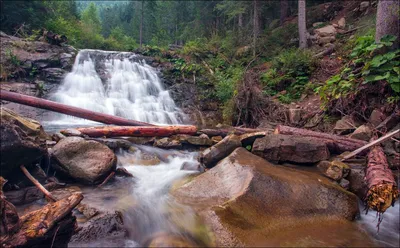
(335, 143)
(39, 227)
(68, 110)
(153, 131)
(382, 188)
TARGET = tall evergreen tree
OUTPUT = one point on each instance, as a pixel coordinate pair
(302, 24)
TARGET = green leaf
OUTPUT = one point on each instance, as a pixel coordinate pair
(372, 78)
(395, 87)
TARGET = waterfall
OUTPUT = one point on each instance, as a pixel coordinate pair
(130, 88)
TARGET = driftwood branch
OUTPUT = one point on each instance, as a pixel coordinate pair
(107, 179)
(37, 184)
(375, 142)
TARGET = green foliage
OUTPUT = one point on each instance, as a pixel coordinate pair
(377, 63)
(12, 58)
(289, 71)
(226, 82)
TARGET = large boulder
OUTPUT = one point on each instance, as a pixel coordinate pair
(22, 141)
(247, 201)
(290, 148)
(87, 161)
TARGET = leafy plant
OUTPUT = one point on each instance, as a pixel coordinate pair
(375, 63)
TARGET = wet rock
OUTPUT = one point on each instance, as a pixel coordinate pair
(201, 140)
(84, 160)
(337, 170)
(114, 144)
(22, 141)
(164, 239)
(243, 183)
(141, 140)
(104, 227)
(57, 136)
(345, 125)
(53, 75)
(325, 40)
(363, 132)
(328, 30)
(216, 139)
(18, 177)
(290, 148)
(192, 166)
(28, 194)
(342, 22)
(357, 182)
(295, 115)
(71, 132)
(212, 155)
(168, 143)
(344, 183)
(141, 158)
(376, 117)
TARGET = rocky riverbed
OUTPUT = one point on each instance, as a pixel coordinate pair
(135, 191)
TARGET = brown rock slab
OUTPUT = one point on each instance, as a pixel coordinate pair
(363, 132)
(249, 202)
(290, 148)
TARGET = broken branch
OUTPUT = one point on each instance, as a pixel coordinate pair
(37, 184)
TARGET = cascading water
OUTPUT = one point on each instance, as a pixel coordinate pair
(131, 89)
(123, 85)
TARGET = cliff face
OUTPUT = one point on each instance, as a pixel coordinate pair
(33, 68)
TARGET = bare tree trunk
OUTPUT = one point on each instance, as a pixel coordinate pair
(387, 20)
(240, 21)
(302, 24)
(284, 10)
(255, 26)
(141, 25)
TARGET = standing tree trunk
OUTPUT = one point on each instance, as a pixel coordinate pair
(141, 25)
(284, 10)
(387, 20)
(255, 26)
(240, 21)
(302, 25)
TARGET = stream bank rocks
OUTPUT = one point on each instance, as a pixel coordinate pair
(251, 201)
(22, 141)
(87, 161)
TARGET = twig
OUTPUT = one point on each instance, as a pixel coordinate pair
(375, 142)
(37, 184)
(54, 237)
(107, 179)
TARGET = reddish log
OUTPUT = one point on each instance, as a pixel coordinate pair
(335, 143)
(153, 131)
(382, 188)
(68, 110)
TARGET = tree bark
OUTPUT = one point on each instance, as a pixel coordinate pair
(387, 20)
(69, 110)
(240, 21)
(382, 188)
(118, 131)
(227, 131)
(284, 10)
(335, 143)
(141, 24)
(302, 25)
(255, 26)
